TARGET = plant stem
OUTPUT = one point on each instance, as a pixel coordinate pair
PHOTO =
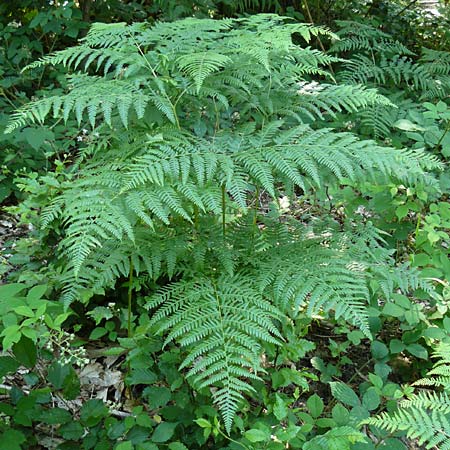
(223, 210)
(255, 216)
(447, 128)
(230, 439)
(195, 220)
(419, 217)
(130, 294)
(308, 12)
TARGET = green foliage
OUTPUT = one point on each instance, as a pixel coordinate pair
(225, 347)
(236, 218)
(424, 415)
(182, 172)
(28, 33)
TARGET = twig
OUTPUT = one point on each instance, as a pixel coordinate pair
(404, 9)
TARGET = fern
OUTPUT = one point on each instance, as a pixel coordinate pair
(221, 322)
(172, 181)
(202, 118)
(378, 59)
(200, 65)
(91, 96)
(360, 36)
(424, 416)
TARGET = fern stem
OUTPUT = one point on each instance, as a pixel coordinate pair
(255, 210)
(416, 234)
(231, 439)
(447, 128)
(152, 70)
(195, 220)
(217, 124)
(130, 295)
(308, 12)
(223, 210)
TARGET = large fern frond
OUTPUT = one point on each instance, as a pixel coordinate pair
(425, 415)
(221, 324)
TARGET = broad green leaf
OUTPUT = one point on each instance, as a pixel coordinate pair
(146, 446)
(280, 409)
(379, 350)
(92, 412)
(97, 333)
(8, 291)
(141, 376)
(25, 352)
(57, 374)
(396, 346)
(157, 396)
(25, 311)
(315, 406)
(255, 435)
(71, 431)
(12, 439)
(36, 293)
(55, 416)
(402, 211)
(203, 423)
(124, 446)
(407, 125)
(371, 399)
(164, 431)
(391, 309)
(177, 446)
(8, 365)
(340, 414)
(434, 333)
(417, 350)
(344, 394)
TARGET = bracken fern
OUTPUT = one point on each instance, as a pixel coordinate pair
(200, 118)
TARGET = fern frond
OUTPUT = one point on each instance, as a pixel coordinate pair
(429, 400)
(200, 65)
(358, 36)
(91, 95)
(432, 429)
(220, 323)
(424, 416)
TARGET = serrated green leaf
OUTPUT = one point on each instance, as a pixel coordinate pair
(177, 446)
(371, 399)
(417, 350)
(203, 423)
(280, 409)
(344, 394)
(163, 432)
(255, 435)
(315, 405)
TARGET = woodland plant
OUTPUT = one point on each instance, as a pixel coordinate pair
(424, 415)
(198, 127)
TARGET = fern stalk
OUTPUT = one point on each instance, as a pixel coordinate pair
(224, 194)
(130, 295)
(447, 129)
